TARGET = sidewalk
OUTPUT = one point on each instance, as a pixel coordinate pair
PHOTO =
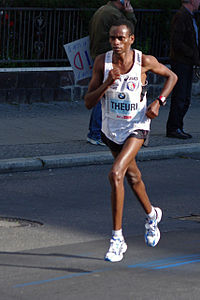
(43, 136)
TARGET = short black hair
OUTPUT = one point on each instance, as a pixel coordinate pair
(125, 22)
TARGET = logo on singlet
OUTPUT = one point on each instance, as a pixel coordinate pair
(121, 96)
(138, 58)
(131, 86)
(133, 78)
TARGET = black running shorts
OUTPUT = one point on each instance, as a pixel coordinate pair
(141, 134)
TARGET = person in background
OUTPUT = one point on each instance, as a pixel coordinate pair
(99, 43)
(184, 54)
(117, 80)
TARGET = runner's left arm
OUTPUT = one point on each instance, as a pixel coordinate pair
(150, 63)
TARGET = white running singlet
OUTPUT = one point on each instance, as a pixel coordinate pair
(122, 111)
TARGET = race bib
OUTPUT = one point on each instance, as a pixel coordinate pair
(120, 106)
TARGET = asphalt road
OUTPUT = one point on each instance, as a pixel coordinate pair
(61, 256)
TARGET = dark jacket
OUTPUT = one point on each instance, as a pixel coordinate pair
(183, 47)
(100, 25)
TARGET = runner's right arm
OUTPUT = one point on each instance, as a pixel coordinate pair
(97, 87)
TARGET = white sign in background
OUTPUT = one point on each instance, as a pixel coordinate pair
(78, 53)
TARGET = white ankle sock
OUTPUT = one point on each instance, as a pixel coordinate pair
(117, 233)
(152, 214)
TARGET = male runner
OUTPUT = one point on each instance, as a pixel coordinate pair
(99, 28)
(117, 80)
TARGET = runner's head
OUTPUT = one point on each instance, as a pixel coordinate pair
(121, 36)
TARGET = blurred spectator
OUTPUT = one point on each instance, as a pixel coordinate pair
(184, 54)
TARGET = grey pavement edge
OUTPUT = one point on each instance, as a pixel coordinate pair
(101, 157)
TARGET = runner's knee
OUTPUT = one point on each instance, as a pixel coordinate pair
(115, 176)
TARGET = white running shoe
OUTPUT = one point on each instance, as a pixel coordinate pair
(117, 248)
(152, 233)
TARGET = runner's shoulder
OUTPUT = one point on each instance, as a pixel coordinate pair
(148, 61)
(99, 61)
(100, 58)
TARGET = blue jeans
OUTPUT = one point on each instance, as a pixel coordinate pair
(95, 122)
(181, 94)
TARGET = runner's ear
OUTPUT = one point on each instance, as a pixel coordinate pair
(132, 38)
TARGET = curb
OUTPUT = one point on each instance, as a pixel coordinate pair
(170, 151)
(92, 158)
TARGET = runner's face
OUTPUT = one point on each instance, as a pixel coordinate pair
(120, 39)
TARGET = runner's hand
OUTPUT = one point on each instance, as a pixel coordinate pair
(113, 75)
(153, 110)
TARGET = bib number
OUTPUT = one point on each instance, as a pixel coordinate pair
(120, 106)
